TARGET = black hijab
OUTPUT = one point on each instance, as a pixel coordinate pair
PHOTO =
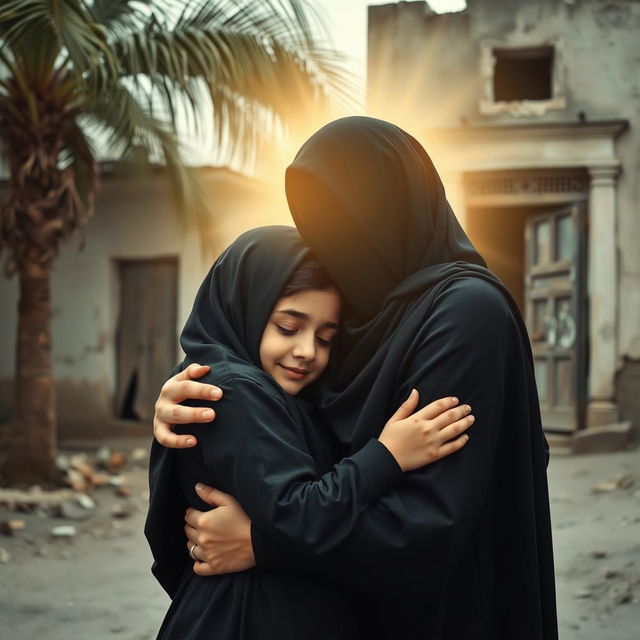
(230, 312)
(368, 201)
(235, 300)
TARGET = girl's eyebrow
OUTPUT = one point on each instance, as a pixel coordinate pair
(303, 316)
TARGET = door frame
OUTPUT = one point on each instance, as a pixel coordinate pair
(117, 263)
(540, 189)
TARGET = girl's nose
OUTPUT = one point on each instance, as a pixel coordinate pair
(305, 348)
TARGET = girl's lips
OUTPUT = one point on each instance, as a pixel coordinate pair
(295, 374)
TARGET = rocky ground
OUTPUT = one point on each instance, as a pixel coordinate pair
(91, 578)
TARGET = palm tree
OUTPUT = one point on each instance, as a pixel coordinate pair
(76, 71)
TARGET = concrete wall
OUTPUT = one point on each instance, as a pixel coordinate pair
(442, 85)
(133, 220)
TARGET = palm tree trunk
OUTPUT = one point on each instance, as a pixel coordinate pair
(32, 439)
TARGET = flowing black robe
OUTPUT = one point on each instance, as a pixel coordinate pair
(267, 451)
(460, 549)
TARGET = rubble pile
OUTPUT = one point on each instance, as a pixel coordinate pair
(613, 587)
(96, 494)
(613, 582)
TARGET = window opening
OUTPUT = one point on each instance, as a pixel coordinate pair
(523, 74)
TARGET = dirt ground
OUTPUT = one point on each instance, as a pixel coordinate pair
(97, 584)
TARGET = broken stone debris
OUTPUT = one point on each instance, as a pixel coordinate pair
(17, 499)
(71, 510)
(123, 510)
(83, 475)
(116, 460)
(8, 527)
(64, 531)
(116, 481)
(139, 456)
(85, 501)
(102, 455)
(622, 482)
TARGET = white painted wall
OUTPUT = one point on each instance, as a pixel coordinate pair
(133, 220)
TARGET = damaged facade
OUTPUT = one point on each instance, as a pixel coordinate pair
(531, 112)
(120, 303)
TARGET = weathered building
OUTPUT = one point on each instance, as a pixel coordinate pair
(120, 303)
(531, 111)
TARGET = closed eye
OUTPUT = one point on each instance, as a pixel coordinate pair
(284, 331)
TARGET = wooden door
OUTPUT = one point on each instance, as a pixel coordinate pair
(555, 312)
(146, 333)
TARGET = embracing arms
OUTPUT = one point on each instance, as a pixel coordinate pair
(258, 452)
(430, 516)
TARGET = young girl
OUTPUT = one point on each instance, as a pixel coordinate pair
(264, 319)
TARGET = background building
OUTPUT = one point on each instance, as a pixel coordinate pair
(120, 302)
(531, 112)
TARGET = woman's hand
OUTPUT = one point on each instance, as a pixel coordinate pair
(220, 539)
(169, 411)
(420, 438)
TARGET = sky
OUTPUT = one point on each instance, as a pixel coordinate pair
(346, 21)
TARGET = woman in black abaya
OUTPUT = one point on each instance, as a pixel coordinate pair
(462, 548)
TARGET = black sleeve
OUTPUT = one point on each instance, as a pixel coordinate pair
(428, 518)
(257, 452)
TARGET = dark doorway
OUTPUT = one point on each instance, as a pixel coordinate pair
(538, 252)
(146, 333)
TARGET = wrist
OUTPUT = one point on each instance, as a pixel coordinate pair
(390, 446)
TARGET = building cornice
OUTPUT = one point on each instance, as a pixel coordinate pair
(479, 130)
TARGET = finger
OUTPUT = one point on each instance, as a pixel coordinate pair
(451, 447)
(193, 553)
(451, 431)
(436, 408)
(171, 413)
(163, 434)
(451, 416)
(191, 517)
(192, 372)
(191, 533)
(407, 407)
(179, 390)
(213, 496)
(203, 569)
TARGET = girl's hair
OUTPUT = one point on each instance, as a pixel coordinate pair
(308, 276)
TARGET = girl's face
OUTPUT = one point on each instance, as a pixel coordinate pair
(296, 342)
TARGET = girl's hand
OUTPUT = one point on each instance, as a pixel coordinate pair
(433, 432)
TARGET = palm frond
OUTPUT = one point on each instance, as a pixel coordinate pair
(119, 15)
(239, 68)
(69, 22)
(80, 156)
(138, 136)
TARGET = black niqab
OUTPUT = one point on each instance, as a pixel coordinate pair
(366, 196)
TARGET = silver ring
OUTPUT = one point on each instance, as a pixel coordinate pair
(191, 552)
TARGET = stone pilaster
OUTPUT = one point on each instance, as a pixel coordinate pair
(603, 297)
